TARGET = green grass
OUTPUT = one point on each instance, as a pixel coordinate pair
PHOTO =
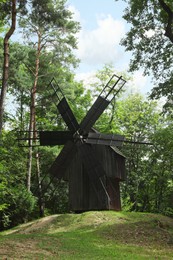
(91, 235)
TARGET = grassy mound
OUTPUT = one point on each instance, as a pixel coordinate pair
(91, 235)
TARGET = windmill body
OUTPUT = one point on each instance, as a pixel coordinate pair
(89, 161)
(85, 192)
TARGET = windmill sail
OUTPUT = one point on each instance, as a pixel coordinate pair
(55, 137)
(105, 139)
(67, 115)
(101, 103)
(94, 113)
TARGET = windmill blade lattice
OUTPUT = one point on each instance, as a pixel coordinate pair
(67, 114)
(112, 88)
(105, 139)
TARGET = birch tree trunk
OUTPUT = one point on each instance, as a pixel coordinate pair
(6, 62)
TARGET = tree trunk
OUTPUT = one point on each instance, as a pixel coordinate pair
(40, 197)
(21, 111)
(6, 63)
(169, 28)
(32, 125)
(28, 179)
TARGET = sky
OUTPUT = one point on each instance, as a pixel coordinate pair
(102, 28)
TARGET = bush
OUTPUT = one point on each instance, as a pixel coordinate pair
(168, 212)
(21, 204)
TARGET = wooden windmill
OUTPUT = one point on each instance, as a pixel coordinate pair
(90, 161)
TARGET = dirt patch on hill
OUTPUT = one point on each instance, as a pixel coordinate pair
(23, 249)
(33, 226)
(38, 226)
(140, 233)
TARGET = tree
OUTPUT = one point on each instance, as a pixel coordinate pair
(106, 122)
(150, 39)
(138, 120)
(20, 83)
(6, 61)
(9, 8)
(161, 166)
(16, 204)
(52, 28)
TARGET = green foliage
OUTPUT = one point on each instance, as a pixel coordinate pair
(55, 195)
(161, 166)
(168, 212)
(3, 192)
(139, 120)
(56, 198)
(50, 24)
(150, 42)
(149, 168)
(127, 204)
(21, 205)
(107, 122)
(16, 204)
(5, 14)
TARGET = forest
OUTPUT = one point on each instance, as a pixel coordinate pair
(45, 49)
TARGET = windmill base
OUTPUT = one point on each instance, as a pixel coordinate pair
(88, 197)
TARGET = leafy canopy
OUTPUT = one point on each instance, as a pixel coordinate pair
(150, 39)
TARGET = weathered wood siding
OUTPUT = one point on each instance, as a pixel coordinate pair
(113, 189)
(84, 193)
(112, 162)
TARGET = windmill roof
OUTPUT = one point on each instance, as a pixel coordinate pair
(117, 151)
(114, 148)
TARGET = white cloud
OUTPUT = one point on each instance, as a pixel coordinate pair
(86, 77)
(139, 83)
(75, 12)
(99, 46)
(139, 80)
